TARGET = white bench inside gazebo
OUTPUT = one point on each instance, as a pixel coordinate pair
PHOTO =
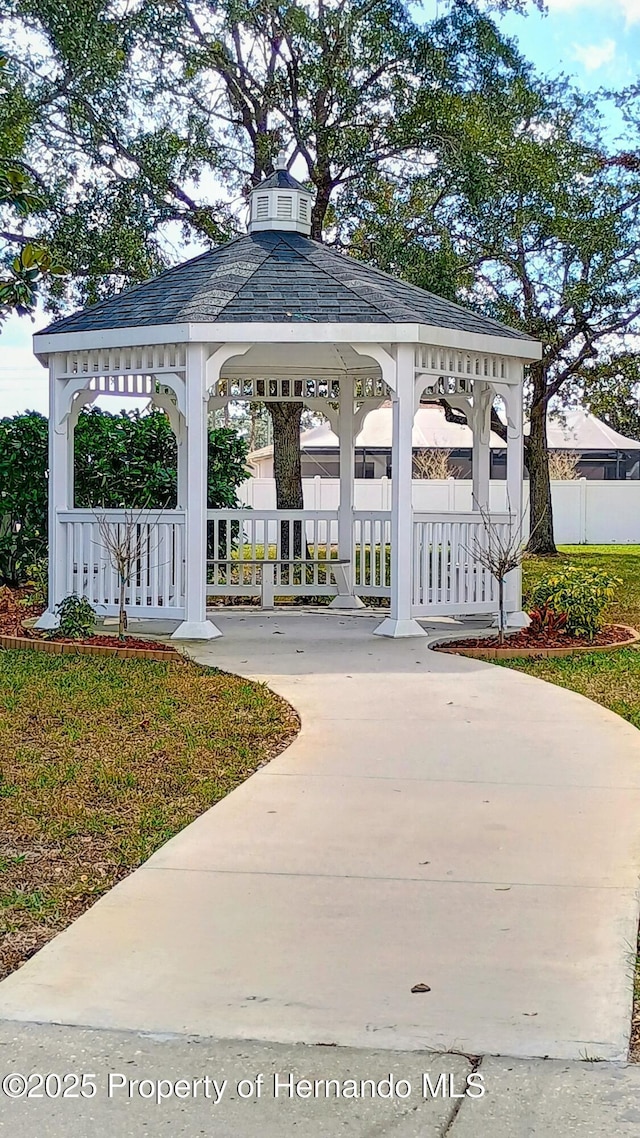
(275, 316)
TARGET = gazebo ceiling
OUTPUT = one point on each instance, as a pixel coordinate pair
(278, 277)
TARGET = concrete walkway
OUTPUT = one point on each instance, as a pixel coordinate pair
(438, 821)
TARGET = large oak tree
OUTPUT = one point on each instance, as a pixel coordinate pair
(155, 118)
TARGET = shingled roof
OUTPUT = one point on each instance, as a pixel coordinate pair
(277, 277)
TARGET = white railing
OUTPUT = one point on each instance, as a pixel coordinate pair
(240, 541)
(157, 585)
(372, 553)
(447, 577)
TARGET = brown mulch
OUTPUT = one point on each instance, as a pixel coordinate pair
(610, 634)
(16, 608)
(106, 641)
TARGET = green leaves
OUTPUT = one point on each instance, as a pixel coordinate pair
(121, 461)
(580, 593)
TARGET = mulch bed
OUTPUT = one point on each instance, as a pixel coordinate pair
(15, 609)
(610, 634)
(101, 641)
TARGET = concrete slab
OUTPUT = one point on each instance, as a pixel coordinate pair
(120, 1062)
(392, 828)
(552, 1100)
(298, 908)
(322, 959)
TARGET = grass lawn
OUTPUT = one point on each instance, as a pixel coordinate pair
(103, 760)
(609, 678)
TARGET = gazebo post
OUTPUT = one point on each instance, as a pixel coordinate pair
(181, 450)
(195, 626)
(481, 456)
(346, 439)
(60, 481)
(516, 617)
(400, 622)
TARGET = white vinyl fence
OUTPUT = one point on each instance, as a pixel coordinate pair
(585, 511)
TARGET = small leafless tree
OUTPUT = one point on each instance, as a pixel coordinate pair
(124, 543)
(432, 463)
(563, 465)
(501, 549)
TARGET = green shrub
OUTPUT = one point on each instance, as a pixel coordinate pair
(38, 581)
(121, 461)
(76, 617)
(582, 594)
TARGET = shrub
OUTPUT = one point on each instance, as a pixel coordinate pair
(581, 594)
(121, 461)
(76, 617)
(38, 581)
(545, 620)
(23, 494)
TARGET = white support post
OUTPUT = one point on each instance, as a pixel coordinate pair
(346, 434)
(59, 490)
(181, 448)
(195, 626)
(516, 618)
(400, 622)
(481, 424)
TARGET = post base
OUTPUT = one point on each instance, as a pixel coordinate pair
(47, 620)
(514, 620)
(399, 628)
(346, 601)
(196, 630)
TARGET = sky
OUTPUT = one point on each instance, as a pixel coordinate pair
(597, 42)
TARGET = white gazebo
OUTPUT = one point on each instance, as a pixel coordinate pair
(275, 316)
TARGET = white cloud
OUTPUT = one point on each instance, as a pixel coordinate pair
(629, 9)
(23, 381)
(595, 55)
(24, 385)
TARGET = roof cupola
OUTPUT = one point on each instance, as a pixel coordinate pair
(280, 202)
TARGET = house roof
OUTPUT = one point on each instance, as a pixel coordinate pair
(277, 277)
(579, 431)
(430, 429)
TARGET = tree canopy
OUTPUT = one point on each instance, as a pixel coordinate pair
(434, 150)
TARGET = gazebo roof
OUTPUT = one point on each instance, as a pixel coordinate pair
(277, 277)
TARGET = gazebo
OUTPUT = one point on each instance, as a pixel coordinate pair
(275, 316)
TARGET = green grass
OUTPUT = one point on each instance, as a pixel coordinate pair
(609, 678)
(102, 761)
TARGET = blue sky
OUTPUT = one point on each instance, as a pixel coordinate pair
(595, 41)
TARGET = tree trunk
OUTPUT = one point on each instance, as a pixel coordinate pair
(287, 469)
(122, 612)
(541, 540)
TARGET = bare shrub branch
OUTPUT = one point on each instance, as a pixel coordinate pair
(433, 463)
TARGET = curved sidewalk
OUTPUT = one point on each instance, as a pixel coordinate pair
(438, 821)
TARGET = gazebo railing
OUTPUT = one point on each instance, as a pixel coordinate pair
(299, 541)
(372, 553)
(447, 576)
(157, 583)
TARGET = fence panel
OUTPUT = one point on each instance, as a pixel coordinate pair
(585, 510)
(156, 584)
